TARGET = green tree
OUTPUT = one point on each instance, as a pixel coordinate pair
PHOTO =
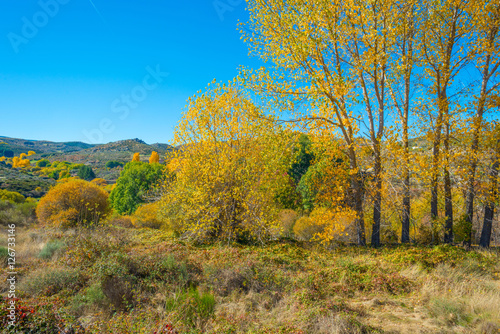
(303, 160)
(43, 163)
(136, 179)
(86, 173)
(114, 164)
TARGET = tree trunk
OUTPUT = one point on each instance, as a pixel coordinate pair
(356, 197)
(377, 203)
(358, 207)
(434, 183)
(448, 202)
(405, 216)
(490, 206)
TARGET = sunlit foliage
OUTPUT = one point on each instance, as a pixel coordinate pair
(154, 158)
(228, 170)
(73, 203)
(133, 185)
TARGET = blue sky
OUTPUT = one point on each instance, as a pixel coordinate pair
(105, 70)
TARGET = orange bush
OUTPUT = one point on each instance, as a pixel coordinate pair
(73, 203)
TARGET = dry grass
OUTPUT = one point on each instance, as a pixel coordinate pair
(280, 288)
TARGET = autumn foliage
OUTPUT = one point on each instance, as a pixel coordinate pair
(154, 158)
(73, 203)
(227, 172)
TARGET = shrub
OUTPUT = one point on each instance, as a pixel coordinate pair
(73, 203)
(119, 290)
(11, 196)
(306, 228)
(100, 182)
(19, 214)
(287, 219)
(43, 163)
(4, 255)
(49, 281)
(121, 221)
(192, 307)
(50, 249)
(114, 164)
(147, 216)
(86, 173)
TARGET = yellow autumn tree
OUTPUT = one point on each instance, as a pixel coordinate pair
(22, 156)
(31, 153)
(24, 163)
(73, 203)
(136, 157)
(15, 162)
(231, 165)
(154, 158)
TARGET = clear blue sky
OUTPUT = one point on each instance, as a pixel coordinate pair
(81, 70)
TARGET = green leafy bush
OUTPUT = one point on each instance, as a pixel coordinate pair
(114, 164)
(11, 196)
(86, 173)
(43, 163)
(136, 179)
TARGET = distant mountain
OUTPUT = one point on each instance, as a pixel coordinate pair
(78, 152)
(19, 146)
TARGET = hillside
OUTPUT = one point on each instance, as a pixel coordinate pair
(96, 156)
(19, 146)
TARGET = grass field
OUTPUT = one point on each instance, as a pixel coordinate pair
(119, 280)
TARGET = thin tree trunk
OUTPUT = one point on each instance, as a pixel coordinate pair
(448, 202)
(477, 127)
(377, 203)
(435, 179)
(357, 200)
(405, 217)
(490, 206)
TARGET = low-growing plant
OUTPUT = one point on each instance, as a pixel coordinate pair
(49, 281)
(51, 248)
(191, 307)
(449, 311)
(4, 255)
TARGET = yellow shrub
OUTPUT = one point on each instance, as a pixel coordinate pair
(324, 225)
(73, 203)
(147, 216)
(100, 182)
